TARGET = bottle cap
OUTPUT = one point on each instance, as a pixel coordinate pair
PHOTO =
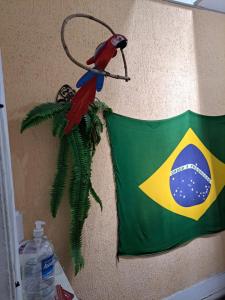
(38, 230)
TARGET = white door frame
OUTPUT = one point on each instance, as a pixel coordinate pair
(9, 256)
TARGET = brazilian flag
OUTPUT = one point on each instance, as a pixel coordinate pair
(170, 177)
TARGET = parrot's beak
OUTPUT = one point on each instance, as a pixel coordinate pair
(1, 105)
(122, 44)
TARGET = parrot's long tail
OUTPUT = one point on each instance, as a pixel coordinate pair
(75, 114)
(80, 103)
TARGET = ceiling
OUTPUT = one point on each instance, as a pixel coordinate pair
(215, 5)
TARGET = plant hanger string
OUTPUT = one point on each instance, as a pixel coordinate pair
(105, 73)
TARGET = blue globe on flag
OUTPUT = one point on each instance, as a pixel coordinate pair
(190, 177)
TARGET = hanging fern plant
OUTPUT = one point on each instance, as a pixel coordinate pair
(81, 143)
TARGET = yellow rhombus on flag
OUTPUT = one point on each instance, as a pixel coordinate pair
(157, 186)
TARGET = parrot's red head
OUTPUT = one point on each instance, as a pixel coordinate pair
(118, 41)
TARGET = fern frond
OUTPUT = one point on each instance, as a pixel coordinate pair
(79, 190)
(41, 113)
(76, 224)
(95, 196)
(95, 131)
(84, 157)
(98, 106)
(60, 176)
(76, 244)
(59, 123)
(87, 121)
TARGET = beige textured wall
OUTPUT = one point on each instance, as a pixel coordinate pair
(176, 59)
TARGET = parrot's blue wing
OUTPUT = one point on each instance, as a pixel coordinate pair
(100, 82)
(85, 78)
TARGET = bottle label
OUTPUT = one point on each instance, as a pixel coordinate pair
(47, 267)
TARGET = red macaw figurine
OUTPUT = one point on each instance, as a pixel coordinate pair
(91, 81)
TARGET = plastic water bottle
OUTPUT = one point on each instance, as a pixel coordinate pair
(38, 268)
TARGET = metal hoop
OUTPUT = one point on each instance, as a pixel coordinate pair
(105, 73)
